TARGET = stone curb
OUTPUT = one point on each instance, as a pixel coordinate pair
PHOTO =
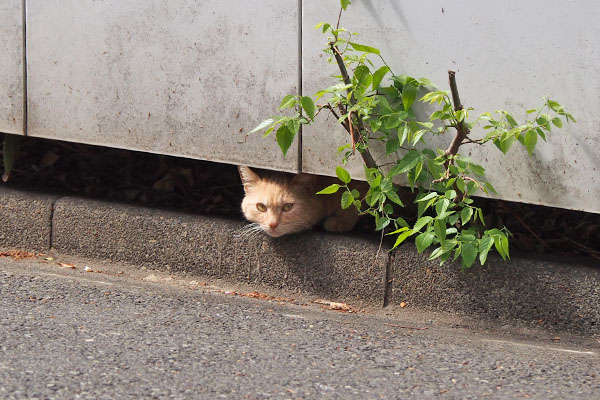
(553, 294)
(216, 247)
(26, 219)
(557, 295)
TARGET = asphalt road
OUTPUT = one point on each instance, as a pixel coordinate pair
(70, 334)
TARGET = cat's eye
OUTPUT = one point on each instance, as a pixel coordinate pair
(261, 207)
(287, 206)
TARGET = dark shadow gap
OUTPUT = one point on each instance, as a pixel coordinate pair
(208, 188)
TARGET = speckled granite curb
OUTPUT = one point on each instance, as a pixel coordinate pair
(558, 295)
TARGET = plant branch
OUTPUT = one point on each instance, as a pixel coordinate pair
(337, 26)
(337, 117)
(461, 129)
(356, 134)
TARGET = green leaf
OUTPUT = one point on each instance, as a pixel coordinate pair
(288, 101)
(342, 174)
(418, 169)
(465, 215)
(450, 194)
(362, 47)
(266, 123)
(409, 92)
(402, 222)
(442, 206)
(489, 188)
(363, 75)
(460, 184)
(393, 196)
(468, 254)
(285, 137)
(403, 229)
(445, 248)
(429, 196)
(477, 169)
(485, 244)
(510, 120)
(452, 220)
(418, 135)
(530, 141)
(408, 162)
(554, 106)
(392, 121)
(402, 237)
(403, 133)
(10, 151)
(421, 222)
(439, 228)
(472, 187)
(308, 106)
(556, 121)
(378, 76)
(381, 222)
(505, 143)
(424, 240)
(501, 244)
(330, 189)
(391, 145)
(347, 200)
(345, 4)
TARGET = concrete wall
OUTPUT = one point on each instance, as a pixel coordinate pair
(11, 66)
(189, 78)
(181, 77)
(507, 55)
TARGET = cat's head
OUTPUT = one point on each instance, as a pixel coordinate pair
(279, 203)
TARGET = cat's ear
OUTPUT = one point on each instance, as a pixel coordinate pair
(248, 176)
(305, 181)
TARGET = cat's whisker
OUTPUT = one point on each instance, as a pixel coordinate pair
(248, 230)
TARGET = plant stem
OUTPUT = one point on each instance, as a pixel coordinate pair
(461, 129)
(365, 154)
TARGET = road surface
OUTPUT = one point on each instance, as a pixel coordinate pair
(118, 332)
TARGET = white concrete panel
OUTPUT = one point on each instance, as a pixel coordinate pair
(11, 66)
(507, 55)
(183, 77)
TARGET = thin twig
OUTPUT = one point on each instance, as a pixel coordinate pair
(529, 229)
(351, 131)
(365, 153)
(337, 26)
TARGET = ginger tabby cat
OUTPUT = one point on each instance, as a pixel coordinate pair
(280, 203)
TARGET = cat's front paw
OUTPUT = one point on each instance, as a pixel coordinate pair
(339, 223)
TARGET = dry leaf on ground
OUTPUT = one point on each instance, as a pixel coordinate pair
(262, 296)
(151, 278)
(332, 305)
(18, 254)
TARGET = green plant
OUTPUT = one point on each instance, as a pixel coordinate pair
(443, 179)
(10, 150)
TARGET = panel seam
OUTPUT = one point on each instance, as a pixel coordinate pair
(24, 61)
(299, 71)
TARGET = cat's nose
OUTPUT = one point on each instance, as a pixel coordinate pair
(273, 224)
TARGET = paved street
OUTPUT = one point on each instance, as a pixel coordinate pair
(70, 334)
